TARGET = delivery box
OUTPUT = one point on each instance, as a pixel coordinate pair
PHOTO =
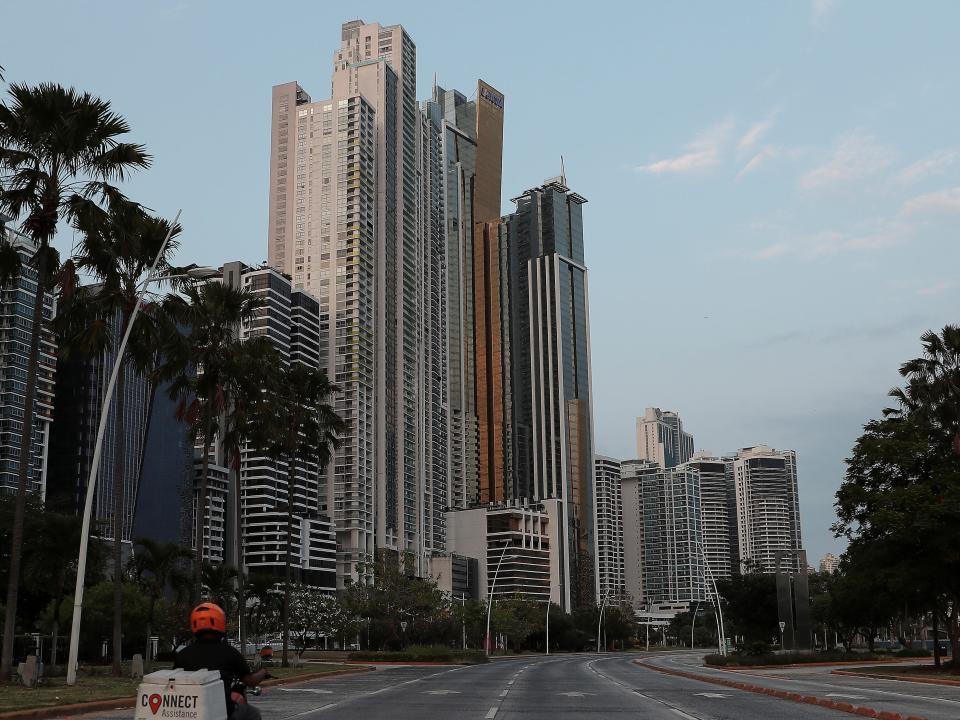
(186, 694)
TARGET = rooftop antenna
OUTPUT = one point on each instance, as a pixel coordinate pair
(434, 85)
(563, 173)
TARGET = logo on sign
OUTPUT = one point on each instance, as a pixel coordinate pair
(491, 97)
(155, 701)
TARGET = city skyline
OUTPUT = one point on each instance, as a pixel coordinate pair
(852, 276)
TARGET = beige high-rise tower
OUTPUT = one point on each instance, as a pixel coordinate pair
(344, 203)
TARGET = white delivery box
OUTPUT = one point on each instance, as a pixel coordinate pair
(186, 694)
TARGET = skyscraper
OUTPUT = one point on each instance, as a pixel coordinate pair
(16, 304)
(661, 438)
(80, 390)
(767, 505)
(718, 510)
(662, 533)
(289, 318)
(358, 217)
(549, 361)
(609, 527)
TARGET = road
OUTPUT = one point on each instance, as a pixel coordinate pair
(936, 702)
(566, 687)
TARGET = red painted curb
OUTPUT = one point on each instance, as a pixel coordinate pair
(734, 668)
(273, 682)
(783, 694)
(56, 711)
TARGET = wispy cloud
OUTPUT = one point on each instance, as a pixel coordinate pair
(855, 157)
(941, 201)
(929, 166)
(755, 133)
(768, 153)
(937, 288)
(702, 153)
(821, 8)
(771, 251)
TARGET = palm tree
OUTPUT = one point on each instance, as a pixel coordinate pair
(252, 364)
(55, 144)
(201, 364)
(307, 431)
(118, 247)
(218, 582)
(156, 565)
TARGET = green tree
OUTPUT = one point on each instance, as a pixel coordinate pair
(200, 360)
(55, 144)
(155, 565)
(901, 493)
(750, 605)
(306, 431)
(219, 584)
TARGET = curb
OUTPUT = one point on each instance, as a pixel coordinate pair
(803, 665)
(309, 677)
(783, 694)
(124, 703)
(56, 711)
(903, 678)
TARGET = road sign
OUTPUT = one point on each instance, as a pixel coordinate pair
(782, 625)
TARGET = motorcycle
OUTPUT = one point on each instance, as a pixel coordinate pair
(238, 692)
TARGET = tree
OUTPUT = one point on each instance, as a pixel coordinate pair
(218, 583)
(750, 605)
(118, 248)
(55, 144)
(263, 605)
(901, 493)
(155, 565)
(306, 430)
(200, 362)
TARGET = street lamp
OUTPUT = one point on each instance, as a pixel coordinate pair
(693, 623)
(721, 637)
(490, 594)
(548, 625)
(603, 604)
(95, 464)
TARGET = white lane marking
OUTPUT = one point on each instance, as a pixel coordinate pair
(307, 690)
(503, 693)
(491, 713)
(848, 697)
(682, 714)
(823, 685)
(441, 692)
(712, 695)
(510, 682)
(574, 693)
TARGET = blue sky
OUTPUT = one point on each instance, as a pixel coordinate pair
(774, 187)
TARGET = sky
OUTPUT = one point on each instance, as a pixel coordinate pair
(773, 187)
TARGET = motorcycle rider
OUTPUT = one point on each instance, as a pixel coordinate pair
(211, 651)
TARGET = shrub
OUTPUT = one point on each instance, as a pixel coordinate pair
(769, 658)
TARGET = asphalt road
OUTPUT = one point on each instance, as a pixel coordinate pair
(533, 688)
(936, 702)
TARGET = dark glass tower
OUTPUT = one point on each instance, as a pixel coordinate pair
(552, 414)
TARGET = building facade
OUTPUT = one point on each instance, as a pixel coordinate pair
(549, 360)
(516, 546)
(767, 506)
(829, 563)
(17, 304)
(257, 518)
(662, 439)
(609, 527)
(718, 511)
(359, 193)
(663, 557)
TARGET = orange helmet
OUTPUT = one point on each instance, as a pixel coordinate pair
(208, 616)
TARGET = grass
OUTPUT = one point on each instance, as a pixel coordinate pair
(801, 658)
(100, 686)
(924, 671)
